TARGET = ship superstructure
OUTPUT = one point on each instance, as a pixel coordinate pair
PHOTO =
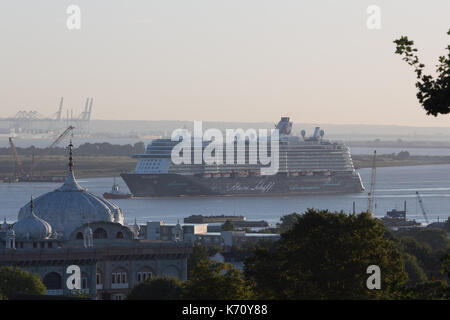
(306, 165)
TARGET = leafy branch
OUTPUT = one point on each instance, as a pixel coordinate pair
(433, 94)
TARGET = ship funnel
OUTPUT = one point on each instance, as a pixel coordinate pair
(284, 126)
(316, 132)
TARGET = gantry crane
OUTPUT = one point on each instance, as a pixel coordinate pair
(372, 184)
(422, 207)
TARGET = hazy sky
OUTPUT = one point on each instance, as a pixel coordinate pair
(220, 60)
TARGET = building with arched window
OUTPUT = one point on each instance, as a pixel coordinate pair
(71, 226)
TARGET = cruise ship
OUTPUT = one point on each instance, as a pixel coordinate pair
(307, 165)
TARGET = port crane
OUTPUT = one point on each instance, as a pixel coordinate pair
(422, 207)
(372, 184)
(17, 161)
(35, 162)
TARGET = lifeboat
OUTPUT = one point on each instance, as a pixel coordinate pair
(226, 174)
(294, 173)
(309, 173)
(216, 175)
(242, 174)
(327, 173)
(255, 173)
(206, 175)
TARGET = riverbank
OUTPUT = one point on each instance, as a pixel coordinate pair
(85, 166)
(112, 166)
(392, 160)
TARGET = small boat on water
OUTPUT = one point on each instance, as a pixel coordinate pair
(116, 194)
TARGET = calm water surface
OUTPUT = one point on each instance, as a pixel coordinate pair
(394, 185)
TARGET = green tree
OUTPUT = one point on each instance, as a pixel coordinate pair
(415, 273)
(325, 256)
(228, 225)
(428, 290)
(15, 280)
(288, 221)
(263, 271)
(436, 239)
(199, 253)
(422, 251)
(427, 258)
(433, 94)
(446, 264)
(447, 225)
(164, 288)
(216, 281)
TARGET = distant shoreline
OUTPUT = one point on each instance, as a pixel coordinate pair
(365, 161)
(113, 166)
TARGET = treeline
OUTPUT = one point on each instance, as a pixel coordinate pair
(321, 255)
(86, 149)
(399, 143)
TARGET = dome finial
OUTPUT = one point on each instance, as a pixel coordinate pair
(70, 156)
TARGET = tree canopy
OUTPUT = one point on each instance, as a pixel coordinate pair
(288, 221)
(15, 280)
(199, 253)
(434, 290)
(212, 280)
(447, 225)
(228, 225)
(325, 255)
(415, 272)
(433, 93)
(164, 288)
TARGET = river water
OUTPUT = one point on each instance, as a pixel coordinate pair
(394, 186)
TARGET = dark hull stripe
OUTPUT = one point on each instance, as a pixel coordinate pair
(169, 185)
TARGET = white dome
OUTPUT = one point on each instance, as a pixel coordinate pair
(71, 206)
(32, 227)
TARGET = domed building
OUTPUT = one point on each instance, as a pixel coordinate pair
(72, 227)
(32, 227)
(71, 205)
